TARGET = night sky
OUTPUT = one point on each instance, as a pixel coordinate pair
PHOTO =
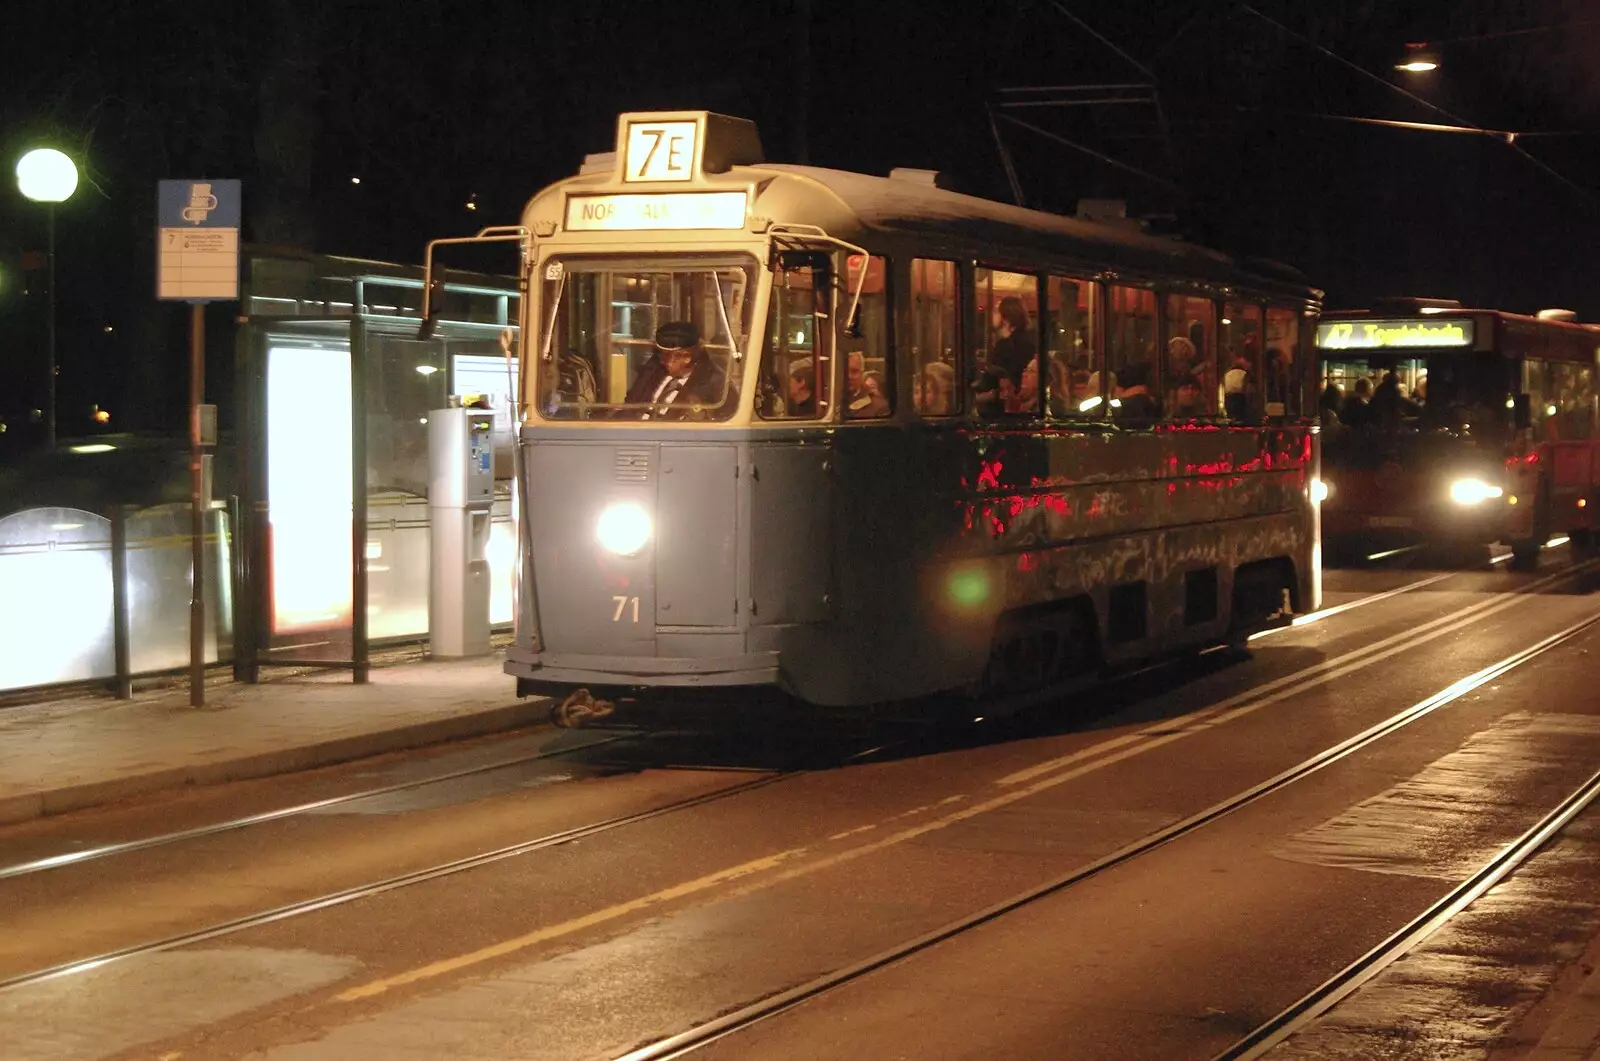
(1233, 137)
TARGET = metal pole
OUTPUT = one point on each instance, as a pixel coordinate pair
(50, 340)
(359, 649)
(119, 601)
(197, 511)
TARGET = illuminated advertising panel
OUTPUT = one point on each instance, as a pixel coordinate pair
(1386, 334)
(308, 487)
(669, 210)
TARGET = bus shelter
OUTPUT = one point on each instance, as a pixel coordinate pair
(334, 391)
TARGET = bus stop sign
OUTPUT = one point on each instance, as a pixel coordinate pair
(197, 256)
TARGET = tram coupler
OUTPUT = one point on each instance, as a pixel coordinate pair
(579, 709)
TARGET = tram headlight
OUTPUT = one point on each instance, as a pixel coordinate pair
(1319, 491)
(623, 528)
(1473, 492)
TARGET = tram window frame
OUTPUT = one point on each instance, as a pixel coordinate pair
(1236, 313)
(1282, 387)
(1191, 310)
(849, 342)
(774, 385)
(1126, 347)
(921, 357)
(984, 306)
(575, 340)
(1059, 397)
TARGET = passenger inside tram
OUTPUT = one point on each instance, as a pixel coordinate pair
(1013, 342)
(1134, 401)
(802, 400)
(1026, 397)
(861, 404)
(1189, 398)
(938, 389)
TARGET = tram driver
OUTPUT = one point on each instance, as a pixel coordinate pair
(682, 376)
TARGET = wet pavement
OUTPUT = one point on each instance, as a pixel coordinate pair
(866, 838)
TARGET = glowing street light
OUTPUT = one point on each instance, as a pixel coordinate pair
(1418, 60)
(47, 176)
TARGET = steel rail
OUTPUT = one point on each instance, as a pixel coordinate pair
(1298, 1016)
(704, 1034)
(348, 895)
(72, 858)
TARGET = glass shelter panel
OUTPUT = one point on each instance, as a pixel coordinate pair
(600, 355)
(934, 338)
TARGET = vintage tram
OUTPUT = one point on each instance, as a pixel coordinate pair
(860, 439)
(1445, 424)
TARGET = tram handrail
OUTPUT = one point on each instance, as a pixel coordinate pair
(492, 234)
(820, 234)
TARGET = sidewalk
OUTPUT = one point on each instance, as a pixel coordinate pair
(67, 755)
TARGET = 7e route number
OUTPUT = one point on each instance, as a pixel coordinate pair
(625, 605)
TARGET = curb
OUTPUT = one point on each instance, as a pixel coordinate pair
(27, 806)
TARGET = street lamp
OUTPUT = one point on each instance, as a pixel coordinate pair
(1419, 59)
(47, 176)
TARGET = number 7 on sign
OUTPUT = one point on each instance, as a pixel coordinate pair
(623, 604)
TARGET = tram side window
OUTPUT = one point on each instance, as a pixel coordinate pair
(864, 342)
(934, 339)
(1006, 361)
(796, 376)
(1131, 354)
(1239, 361)
(1189, 326)
(1281, 371)
(1072, 347)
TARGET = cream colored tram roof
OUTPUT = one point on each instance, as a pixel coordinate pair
(854, 205)
(882, 204)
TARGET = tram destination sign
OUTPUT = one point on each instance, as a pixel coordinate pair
(668, 210)
(1380, 334)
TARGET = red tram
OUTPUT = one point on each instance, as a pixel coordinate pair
(1455, 425)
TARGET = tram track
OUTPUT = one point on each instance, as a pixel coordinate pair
(1306, 1010)
(1282, 688)
(102, 851)
(348, 895)
(736, 1021)
(1309, 677)
(110, 850)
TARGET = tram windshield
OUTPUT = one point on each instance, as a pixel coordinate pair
(1453, 391)
(644, 338)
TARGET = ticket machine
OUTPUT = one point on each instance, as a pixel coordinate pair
(460, 495)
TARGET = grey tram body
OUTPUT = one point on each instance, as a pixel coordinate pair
(800, 559)
(818, 559)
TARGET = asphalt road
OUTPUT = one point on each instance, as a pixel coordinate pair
(866, 838)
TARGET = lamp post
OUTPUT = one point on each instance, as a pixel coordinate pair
(47, 176)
